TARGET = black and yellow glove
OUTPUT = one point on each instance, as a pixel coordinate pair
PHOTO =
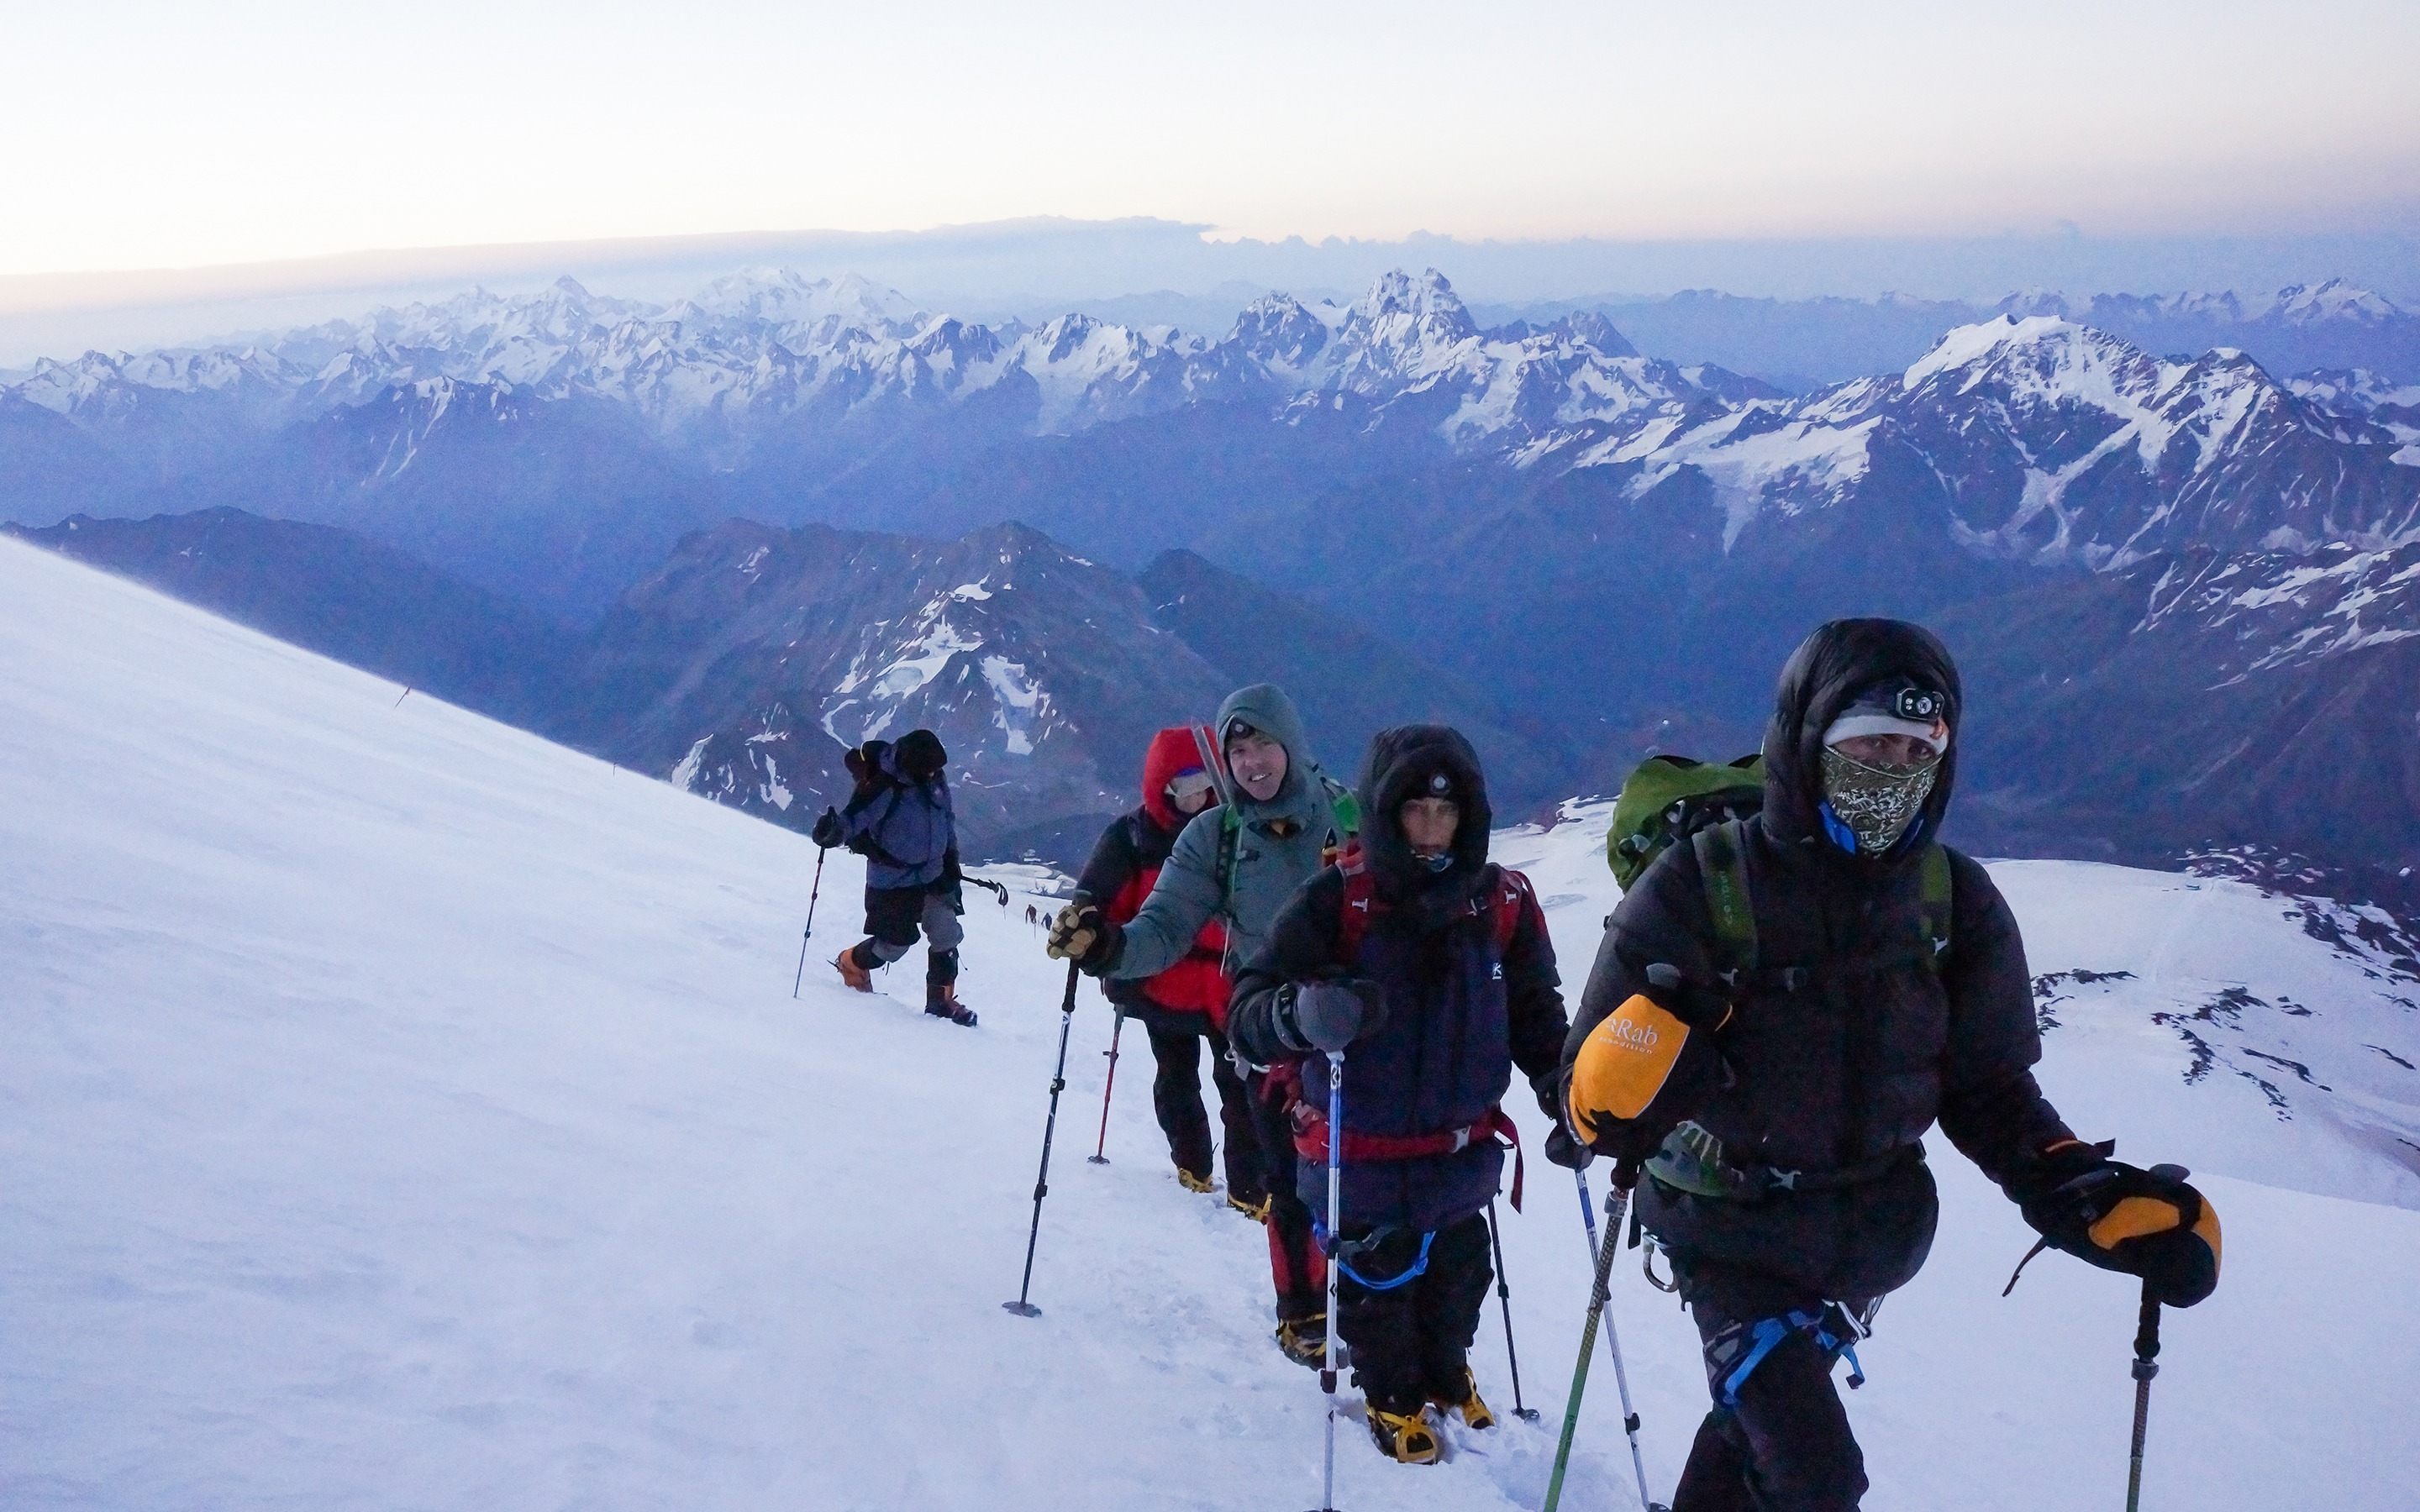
(1647, 1065)
(2142, 1222)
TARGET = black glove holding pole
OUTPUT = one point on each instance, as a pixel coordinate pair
(828, 833)
(2141, 1223)
(1329, 1015)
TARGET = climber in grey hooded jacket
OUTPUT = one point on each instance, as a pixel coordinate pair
(1236, 863)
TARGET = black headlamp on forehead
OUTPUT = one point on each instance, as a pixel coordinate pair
(1921, 704)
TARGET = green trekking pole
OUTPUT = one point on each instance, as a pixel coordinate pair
(1625, 1175)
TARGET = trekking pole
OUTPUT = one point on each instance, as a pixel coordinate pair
(1617, 1201)
(812, 896)
(1021, 1307)
(1612, 1337)
(1096, 1158)
(1336, 1356)
(2146, 1353)
(1504, 1296)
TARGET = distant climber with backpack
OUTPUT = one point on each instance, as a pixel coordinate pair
(1185, 1004)
(1782, 1006)
(900, 819)
(1281, 819)
(1433, 969)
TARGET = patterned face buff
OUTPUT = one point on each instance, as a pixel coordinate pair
(1877, 803)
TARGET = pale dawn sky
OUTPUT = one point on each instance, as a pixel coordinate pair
(176, 135)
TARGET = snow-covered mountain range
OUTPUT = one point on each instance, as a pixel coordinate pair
(2054, 443)
(1487, 498)
(763, 349)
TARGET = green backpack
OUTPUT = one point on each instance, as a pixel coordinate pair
(1669, 798)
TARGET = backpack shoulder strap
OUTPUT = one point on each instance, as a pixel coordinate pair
(1722, 868)
(1353, 912)
(1936, 904)
(1231, 829)
(1509, 897)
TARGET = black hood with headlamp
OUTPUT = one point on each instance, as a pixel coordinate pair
(1833, 669)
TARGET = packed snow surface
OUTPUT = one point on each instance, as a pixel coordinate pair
(402, 1112)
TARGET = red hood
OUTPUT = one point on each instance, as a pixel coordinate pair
(1171, 751)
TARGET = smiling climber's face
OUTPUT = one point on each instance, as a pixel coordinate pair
(1258, 763)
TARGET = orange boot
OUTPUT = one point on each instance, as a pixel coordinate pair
(851, 974)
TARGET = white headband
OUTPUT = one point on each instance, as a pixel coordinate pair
(1849, 727)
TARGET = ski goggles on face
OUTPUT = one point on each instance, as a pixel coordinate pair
(1190, 784)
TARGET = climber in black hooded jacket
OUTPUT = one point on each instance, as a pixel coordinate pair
(1795, 1195)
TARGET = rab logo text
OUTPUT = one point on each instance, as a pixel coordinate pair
(1631, 1035)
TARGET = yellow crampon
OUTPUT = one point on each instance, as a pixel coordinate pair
(1474, 1410)
(1406, 1436)
(1257, 1211)
(1304, 1340)
(1194, 1183)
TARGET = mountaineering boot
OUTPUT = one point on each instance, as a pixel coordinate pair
(1254, 1206)
(1474, 1410)
(942, 1001)
(1193, 1184)
(851, 974)
(1305, 1340)
(1404, 1436)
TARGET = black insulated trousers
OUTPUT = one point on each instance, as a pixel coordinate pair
(1786, 1447)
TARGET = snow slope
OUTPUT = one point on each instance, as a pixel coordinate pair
(401, 1112)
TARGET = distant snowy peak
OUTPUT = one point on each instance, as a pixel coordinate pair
(2275, 610)
(1041, 671)
(2053, 443)
(98, 380)
(2297, 304)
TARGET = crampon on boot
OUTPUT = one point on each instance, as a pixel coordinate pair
(1474, 1411)
(1406, 1437)
(1194, 1183)
(851, 974)
(942, 1001)
(1255, 1205)
(1304, 1340)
